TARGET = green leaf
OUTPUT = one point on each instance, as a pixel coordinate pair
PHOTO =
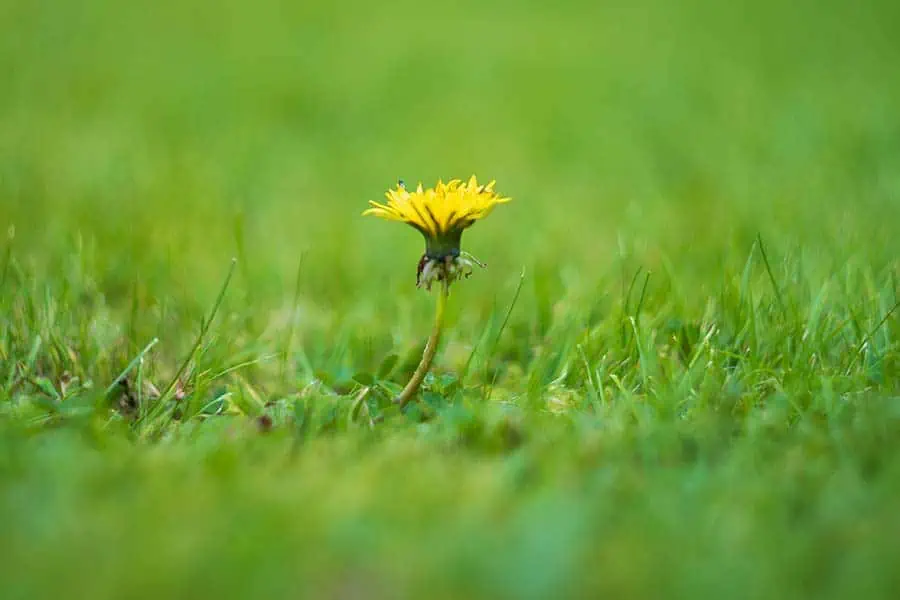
(448, 383)
(45, 386)
(390, 388)
(325, 378)
(364, 379)
(387, 365)
(434, 400)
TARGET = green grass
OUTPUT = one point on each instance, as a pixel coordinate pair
(679, 377)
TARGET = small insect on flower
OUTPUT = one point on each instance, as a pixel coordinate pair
(441, 214)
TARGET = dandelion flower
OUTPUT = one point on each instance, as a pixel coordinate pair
(440, 214)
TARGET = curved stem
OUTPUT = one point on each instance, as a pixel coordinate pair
(430, 348)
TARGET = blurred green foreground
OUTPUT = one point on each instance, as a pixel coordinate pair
(679, 377)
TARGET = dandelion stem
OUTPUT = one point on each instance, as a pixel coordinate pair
(430, 348)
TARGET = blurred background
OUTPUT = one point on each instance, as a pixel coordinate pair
(171, 136)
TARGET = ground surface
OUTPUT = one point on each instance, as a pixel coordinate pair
(692, 390)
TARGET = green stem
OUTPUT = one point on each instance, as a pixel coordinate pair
(430, 348)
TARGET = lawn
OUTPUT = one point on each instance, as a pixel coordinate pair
(679, 375)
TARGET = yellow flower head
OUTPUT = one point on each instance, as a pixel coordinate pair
(441, 214)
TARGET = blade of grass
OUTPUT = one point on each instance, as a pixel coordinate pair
(7, 255)
(748, 270)
(595, 396)
(640, 304)
(160, 409)
(484, 335)
(869, 335)
(765, 257)
(239, 366)
(647, 361)
(626, 300)
(289, 338)
(140, 385)
(137, 360)
(503, 325)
